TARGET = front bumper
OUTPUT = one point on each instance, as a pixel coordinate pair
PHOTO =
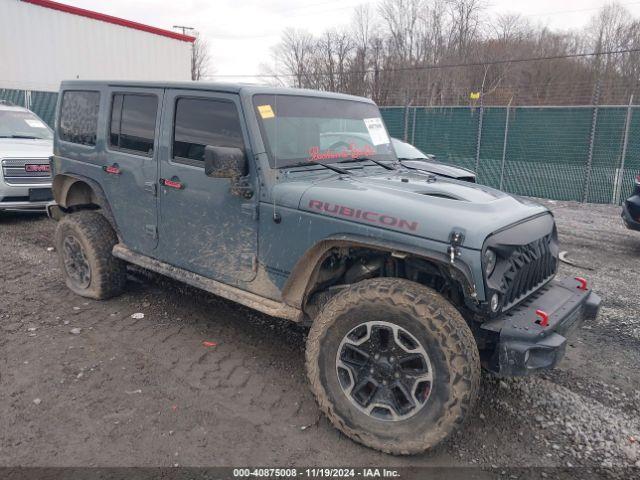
(632, 205)
(23, 205)
(524, 346)
(25, 197)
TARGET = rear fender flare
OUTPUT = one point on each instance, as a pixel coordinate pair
(63, 185)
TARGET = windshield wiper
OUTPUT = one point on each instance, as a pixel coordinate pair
(325, 165)
(362, 159)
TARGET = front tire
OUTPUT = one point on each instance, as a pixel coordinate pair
(393, 365)
(84, 241)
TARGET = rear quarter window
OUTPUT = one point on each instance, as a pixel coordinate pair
(133, 123)
(79, 117)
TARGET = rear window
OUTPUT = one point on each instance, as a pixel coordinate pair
(133, 122)
(79, 116)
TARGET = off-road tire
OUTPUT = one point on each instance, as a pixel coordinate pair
(440, 329)
(95, 235)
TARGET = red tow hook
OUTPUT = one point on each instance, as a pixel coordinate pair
(543, 321)
(583, 283)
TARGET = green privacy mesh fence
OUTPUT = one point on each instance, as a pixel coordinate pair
(42, 103)
(562, 153)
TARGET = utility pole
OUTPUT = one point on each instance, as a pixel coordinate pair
(184, 29)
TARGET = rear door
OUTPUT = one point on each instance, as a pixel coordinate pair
(130, 164)
(204, 227)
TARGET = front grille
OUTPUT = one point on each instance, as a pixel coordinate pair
(530, 267)
(14, 171)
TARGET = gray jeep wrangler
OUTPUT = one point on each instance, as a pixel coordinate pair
(292, 202)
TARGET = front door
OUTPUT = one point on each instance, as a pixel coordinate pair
(130, 166)
(204, 227)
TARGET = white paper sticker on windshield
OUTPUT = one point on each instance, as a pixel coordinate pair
(376, 130)
(34, 123)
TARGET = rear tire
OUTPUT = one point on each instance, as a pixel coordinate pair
(420, 379)
(84, 241)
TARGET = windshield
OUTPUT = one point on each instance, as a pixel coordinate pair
(406, 151)
(22, 124)
(301, 130)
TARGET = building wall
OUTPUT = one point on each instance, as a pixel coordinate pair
(40, 47)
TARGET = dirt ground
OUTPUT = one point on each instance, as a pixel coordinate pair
(122, 391)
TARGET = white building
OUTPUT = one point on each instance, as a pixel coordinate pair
(43, 42)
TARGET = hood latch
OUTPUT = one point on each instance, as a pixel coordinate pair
(455, 240)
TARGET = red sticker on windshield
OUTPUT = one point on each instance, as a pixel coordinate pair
(30, 167)
(351, 152)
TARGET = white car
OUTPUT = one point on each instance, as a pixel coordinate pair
(26, 143)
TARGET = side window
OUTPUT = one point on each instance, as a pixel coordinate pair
(200, 122)
(79, 116)
(133, 122)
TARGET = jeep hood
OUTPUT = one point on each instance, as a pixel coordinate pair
(25, 148)
(414, 203)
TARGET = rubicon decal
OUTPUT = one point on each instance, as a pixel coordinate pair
(365, 215)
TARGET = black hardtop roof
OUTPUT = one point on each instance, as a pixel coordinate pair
(239, 88)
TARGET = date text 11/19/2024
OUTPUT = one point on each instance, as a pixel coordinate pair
(316, 472)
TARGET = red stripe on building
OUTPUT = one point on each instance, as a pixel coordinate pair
(109, 19)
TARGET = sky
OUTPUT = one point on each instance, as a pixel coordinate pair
(241, 33)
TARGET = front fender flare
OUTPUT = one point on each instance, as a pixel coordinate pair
(305, 271)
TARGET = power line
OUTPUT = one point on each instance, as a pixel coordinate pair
(449, 65)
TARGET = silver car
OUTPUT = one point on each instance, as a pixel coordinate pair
(26, 143)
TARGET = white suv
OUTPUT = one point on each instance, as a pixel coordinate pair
(26, 143)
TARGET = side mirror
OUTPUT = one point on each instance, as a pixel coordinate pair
(224, 162)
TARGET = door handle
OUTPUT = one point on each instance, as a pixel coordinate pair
(173, 183)
(112, 169)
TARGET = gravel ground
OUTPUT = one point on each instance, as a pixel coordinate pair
(84, 383)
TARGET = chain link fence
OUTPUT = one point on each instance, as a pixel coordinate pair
(582, 153)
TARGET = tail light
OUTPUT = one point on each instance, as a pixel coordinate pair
(638, 179)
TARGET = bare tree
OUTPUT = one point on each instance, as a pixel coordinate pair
(200, 58)
(466, 17)
(510, 27)
(402, 19)
(439, 52)
(613, 29)
(294, 53)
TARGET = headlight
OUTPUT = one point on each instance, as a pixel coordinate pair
(489, 262)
